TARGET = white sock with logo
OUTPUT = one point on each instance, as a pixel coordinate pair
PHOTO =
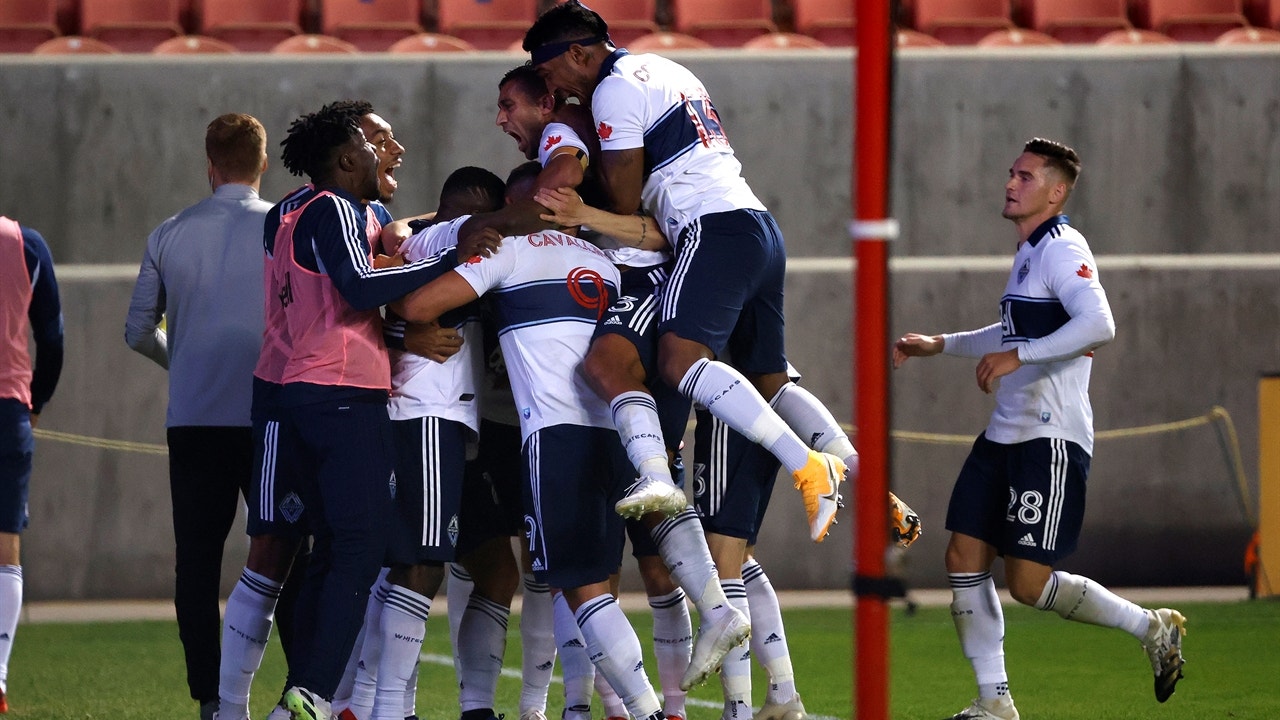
(1078, 598)
(538, 641)
(246, 627)
(403, 627)
(979, 621)
(482, 642)
(576, 668)
(672, 647)
(615, 650)
(768, 637)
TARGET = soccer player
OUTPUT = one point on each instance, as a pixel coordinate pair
(29, 305)
(202, 273)
(664, 148)
(1021, 492)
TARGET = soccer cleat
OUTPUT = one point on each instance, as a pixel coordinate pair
(904, 523)
(209, 710)
(1163, 644)
(279, 713)
(4, 703)
(1000, 708)
(303, 704)
(533, 714)
(651, 493)
(819, 482)
(713, 642)
(793, 710)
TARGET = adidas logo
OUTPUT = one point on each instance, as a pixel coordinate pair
(1027, 540)
(546, 665)
(639, 666)
(614, 320)
(773, 638)
(573, 643)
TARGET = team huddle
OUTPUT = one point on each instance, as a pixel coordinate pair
(524, 361)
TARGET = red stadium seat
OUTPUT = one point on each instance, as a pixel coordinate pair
(251, 25)
(24, 24)
(1248, 36)
(723, 23)
(488, 25)
(318, 44)
(962, 22)
(74, 45)
(1017, 37)
(431, 43)
(68, 16)
(194, 45)
(1192, 20)
(660, 42)
(831, 21)
(371, 25)
(131, 25)
(1263, 13)
(628, 19)
(1133, 36)
(1076, 21)
(908, 38)
(783, 41)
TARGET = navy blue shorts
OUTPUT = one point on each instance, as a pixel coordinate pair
(427, 493)
(17, 448)
(634, 315)
(323, 467)
(1026, 499)
(572, 482)
(733, 479)
(725, 290)
(492, 502)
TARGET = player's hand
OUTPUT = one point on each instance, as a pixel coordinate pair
(565, 204)
(479, 243)
(393, 236)
(996, 365)
(915, 345)
(432, 341)
(387, 261)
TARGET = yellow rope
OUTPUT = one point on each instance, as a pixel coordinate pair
(125, 445)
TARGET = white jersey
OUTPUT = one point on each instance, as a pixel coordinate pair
(426, 388)
(1055, 312)
(690, 169)
(558, 135)
(549, 290)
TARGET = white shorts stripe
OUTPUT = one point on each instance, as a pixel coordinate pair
(535, 489)
(1057, 491)
(684, 258)
(267, 481)
(718, 473)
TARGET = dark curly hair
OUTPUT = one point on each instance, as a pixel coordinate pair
(311, 145)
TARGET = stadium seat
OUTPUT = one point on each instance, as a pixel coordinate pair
(68, 16)
(251, 25)
(318, 44)
(1248, 36)
(962, 22)
(74, 45)
(1134, 36)
(830, 21)
(1076, 21)
(723, 23)
(1017, 37)
(193, 45)
(908, 38)
(1263, 13)
(130, 25)
(487, 24)
(783, 41)
(628, 19)
(24, 24)
(430, 43)
(1191, 20)
(660, 42)
(371, 25)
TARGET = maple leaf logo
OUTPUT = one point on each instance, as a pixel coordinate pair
(552, 141)
(1085, 272)
(604, 131)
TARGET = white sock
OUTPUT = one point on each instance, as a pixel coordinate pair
(614, 649)
(411, 690)
(614, 709)
(246, 627)
(365, 686)
(538, 641)
(735, 673)
(579, 674)
(1078, 598)
(683, 548)
(810, 419)
(482, 641)
(768, 637)
(672, 646)
(403, 627)
(731, 397)
(10, 610)
(457, 594)
(635, 415)
(342, 696)
(979, 620)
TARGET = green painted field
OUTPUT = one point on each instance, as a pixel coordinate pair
(1058, 670)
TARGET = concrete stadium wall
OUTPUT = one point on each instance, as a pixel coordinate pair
(1182, 156)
